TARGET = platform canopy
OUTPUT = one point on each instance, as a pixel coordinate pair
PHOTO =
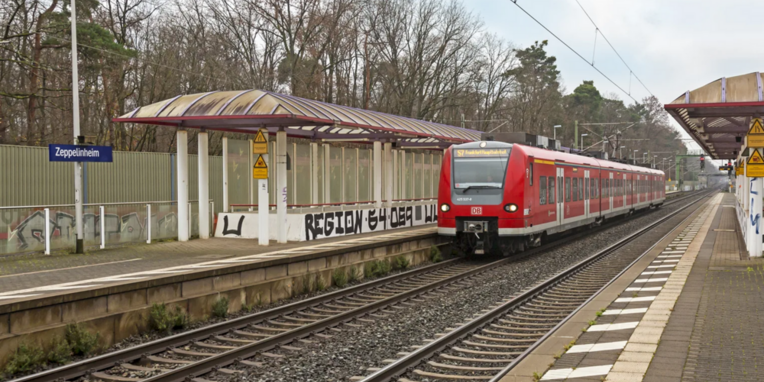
(718, 115)
(249, 110)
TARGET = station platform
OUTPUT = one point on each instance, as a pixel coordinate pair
(689, 310)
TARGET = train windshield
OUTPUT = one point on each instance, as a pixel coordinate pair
(480, 168)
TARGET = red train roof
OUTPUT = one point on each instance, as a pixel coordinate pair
(551, 155)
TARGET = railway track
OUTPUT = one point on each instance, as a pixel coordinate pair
(226, 346)
(488, 346)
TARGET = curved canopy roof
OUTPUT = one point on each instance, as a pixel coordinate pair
(718, 115)
(247, 111)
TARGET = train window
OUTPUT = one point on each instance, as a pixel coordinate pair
(580, 188)
(542, 190)
(551, 190)
(586, 189)
(561, 191)
(575, 189)
(480, 171)
(567, 189)
(607, 187)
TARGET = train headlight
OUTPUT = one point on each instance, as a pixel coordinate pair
(445, 207)
(510, 207)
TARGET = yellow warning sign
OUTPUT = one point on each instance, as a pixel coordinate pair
(260, 145)
(754, 167)
(756, 126)
(756, 134)
(755, 158)
(260, 170)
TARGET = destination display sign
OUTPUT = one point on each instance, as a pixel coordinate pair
(75, 153)
(481, 153)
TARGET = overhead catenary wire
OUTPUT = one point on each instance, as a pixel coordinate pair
(576, 52)
(631, 72)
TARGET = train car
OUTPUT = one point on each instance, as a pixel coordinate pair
(503, 198)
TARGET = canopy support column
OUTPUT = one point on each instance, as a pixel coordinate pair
(327, 173)
(204, 185)
(314, 173)
(182, 163)
(389, 174)
(281, 185)
(226, 202)
(377, 174)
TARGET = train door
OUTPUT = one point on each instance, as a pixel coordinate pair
(586, 193)
(611, 191)
(636, 187)
(623, 189)
(560, 195)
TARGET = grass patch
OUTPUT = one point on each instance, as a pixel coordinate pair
(26, 358)
(220, 308)
(80, 340)
(60, 353)
(339, 278)
(401, 262)
(435, 255)
(376, 268)
(162, 319)
(319, 285)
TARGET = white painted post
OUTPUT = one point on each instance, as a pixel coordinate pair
(78, 186)
(389, 174)
(396, 176)
(148, 223)
(281, 196)
(327, 173)
(103, 226)
(204, 185)
(226, 203)
(757, 188)
(47, 231)
(314, 173)
(184, 212)
(252, 180)
(263, 210)
(377, 174)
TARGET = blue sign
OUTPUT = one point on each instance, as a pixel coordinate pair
(74, 153)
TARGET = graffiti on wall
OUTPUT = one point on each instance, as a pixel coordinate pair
(29, 233)
(340, 223)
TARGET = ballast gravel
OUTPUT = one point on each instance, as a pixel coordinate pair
(351, 350)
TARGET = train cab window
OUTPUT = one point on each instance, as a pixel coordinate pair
(551, 190)
(586, 189)
(542, 190)
(575, 189)
(567, 189)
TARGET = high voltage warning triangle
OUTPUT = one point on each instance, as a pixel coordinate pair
(260, 163)
(756, 158)
(756, 126)
(260, 138)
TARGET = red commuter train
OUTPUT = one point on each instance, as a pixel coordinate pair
(501, 197)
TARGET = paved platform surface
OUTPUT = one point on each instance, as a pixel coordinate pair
(29, 273)
(694, 313)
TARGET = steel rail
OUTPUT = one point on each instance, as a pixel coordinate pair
(107, 360)
(429, 350)
(543, 338)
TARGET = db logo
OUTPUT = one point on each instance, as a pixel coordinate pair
(477, 210)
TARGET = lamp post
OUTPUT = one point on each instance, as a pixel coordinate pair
(654, 159)
(554, 131)
(582, 141)
(78, 208)
(644, 157)
(620, 152)
(634, 156)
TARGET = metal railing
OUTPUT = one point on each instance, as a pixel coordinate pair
(30, 241)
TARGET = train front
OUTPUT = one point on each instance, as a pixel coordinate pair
(471, 195)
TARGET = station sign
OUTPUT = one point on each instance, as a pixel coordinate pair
(77, 153)
(756, 134)
(754, 167)
(260, 145)
(260, 170)
(478, 153)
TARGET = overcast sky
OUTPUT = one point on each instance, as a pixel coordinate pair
(672, 45)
